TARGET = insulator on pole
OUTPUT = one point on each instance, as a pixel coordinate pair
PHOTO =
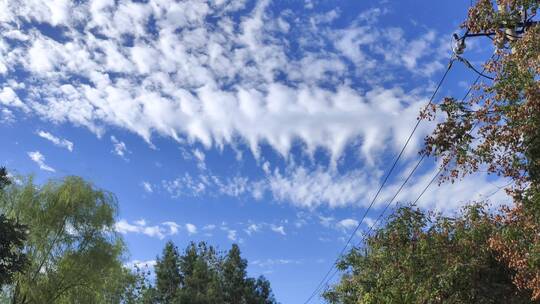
(459, 44)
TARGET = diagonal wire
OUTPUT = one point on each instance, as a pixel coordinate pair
(421, 159)
(404, 183)
(322, 282)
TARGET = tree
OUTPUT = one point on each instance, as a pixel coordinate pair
(504, 111)
(72, 248)
(4, 178)
(259, 291)
(12, 258)
(12, 238)
(506, 142)
(478, 257)
(168, 278)
(201, 267)
(234, 276)
(425, 258)
(127, 286)
(202, 276)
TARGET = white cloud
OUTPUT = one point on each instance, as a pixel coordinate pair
(216, 83)
(120, 147)
(207, 184)
(199, 155)
(209, 227)
(173, 227)
(299, 186)
(139, 227)
(234, 187)
(191, 229)
(167, 228)
(153, 231)
(311, 188)
(314, 188)
(274, 262)
(417, 48)
(186, 185)
(141, 222)
(232, 235)
(7, 116)
(369, 222)
(147, 187)
(278, 229)
(39, 159)
(61, 142)
(326, 221)
(230, 82)
(8, 97)
(252, 228)
(124, 227)
(347, 224)
(449, 197)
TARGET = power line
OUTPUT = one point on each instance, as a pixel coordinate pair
(321, 283)
(439, 172)
(470, 66)
(397, 193)
(386, 207)
(325, 281)
(475, 82)
(417, 199)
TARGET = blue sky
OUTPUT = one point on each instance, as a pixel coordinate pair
(268, 123)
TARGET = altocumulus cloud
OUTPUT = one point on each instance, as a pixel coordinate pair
(119, 147)
(319, 187)
(159, 231)
(141, 227)
(216, 82)
(39, 159)
(223, 73)
(60, 142)
(347, 224)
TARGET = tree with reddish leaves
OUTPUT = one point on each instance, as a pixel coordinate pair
(478, 256)
(499, 130)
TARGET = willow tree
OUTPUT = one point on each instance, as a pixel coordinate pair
(71, 246)
(12, 237)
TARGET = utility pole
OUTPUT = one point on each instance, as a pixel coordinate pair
(511, 32)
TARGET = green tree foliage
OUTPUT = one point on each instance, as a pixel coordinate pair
(424, 258)
(259, 291)
(200, 266)
(168, 278)
(12, 258)
(234, 276)
(202, 276)
(499, 130)
(12, 237)
(126, 286)
(477, 257)
(4, 179)
(73, 252)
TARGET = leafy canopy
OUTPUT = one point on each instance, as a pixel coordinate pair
(476, 257)
(12, 237)
(423, 258)
(71, 246)
(200, 275)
